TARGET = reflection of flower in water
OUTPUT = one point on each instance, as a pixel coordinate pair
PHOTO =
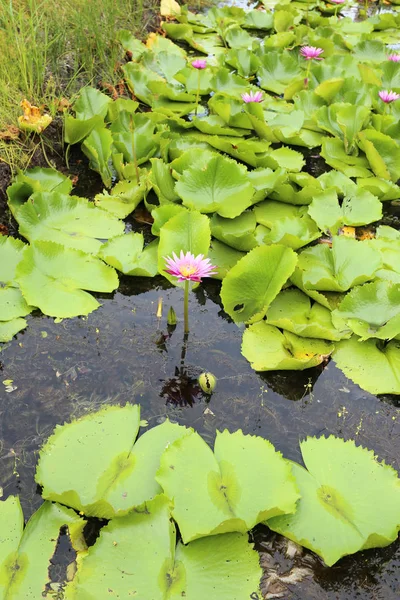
(182, 389)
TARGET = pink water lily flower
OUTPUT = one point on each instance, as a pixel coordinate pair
(394, 57)
(252, 97)
(189, 267)
(310, 52)
(388, 97)
(199, 63)
(337, 1)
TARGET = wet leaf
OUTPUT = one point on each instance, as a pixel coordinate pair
(253, 283)
(114, 474)
(217, 492)
(333, 519)
(53, 278)
(269, 349)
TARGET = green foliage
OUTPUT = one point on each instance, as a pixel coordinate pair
(220, 493)
(126, 253)
(143, 544)
(25, 554)
(269, 349)
(253, 283)
(53, 278)
(333, 519)
(114, 474)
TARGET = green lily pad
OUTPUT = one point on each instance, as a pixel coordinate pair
(382, 152)
(126, 254)
(90, 110)
(142, 544)
(98, 148)
(337, 269)
(26, 553)
(373, 365)
(69, 220)
(333, 518)
(371, 310)
(277, 71)
(293, 311)
(221, 186)
(383, 189)
(162, 181)
(223, 257)
(237, 233)
(289, 225)
(10, 328)
(114, 474)
(359, 207)
(335, 156)
(53, 278)
(36, 180)
(124, 197)
(12, 303)
(219, 492)
(269, 349)
(253, 283)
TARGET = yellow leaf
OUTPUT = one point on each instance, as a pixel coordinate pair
(169, 8)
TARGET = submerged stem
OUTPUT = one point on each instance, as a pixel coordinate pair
(186, 307)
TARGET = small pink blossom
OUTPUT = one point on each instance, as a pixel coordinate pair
(310, 52)
(337, 1)
(189, 267)
(199, 63)
(388, 97)
(252, 97)
(394, 57)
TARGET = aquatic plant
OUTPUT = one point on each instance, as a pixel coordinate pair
(187, 268)
(169, 476)
(231, 184)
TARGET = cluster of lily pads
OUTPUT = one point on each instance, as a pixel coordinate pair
(208, 145)
(169, 476)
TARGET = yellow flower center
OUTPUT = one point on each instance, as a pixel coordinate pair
(187, 270)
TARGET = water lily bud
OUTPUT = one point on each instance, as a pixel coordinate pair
(207, 382)
(171, 318)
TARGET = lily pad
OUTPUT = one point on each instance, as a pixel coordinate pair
(253, 283)
(124, 197)
(269, 349)
(69, 220)
(293, 311)
(12, 303)
(221, 186)
(142, 544)
(223, 257)
(114, 474)
(219, 492)
(126, 253)
(333, 517)
(25, 554)
(237, 233)
(373, 365)
(53, 278)
(371, 310)
(360, 207)
(36, 180)
(98, 148)
(337, 269)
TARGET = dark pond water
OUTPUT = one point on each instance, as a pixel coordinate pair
(123, 352)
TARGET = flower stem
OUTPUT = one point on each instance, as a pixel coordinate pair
(186, 307)
(198, 92)
(306, 79)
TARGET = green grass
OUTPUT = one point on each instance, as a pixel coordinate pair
(49, 49)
